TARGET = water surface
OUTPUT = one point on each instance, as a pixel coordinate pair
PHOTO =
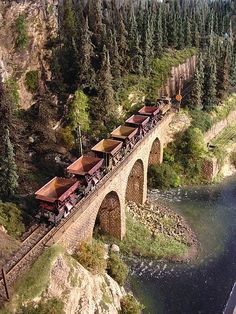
(202, 286)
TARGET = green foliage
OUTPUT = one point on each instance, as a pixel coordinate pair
(8, 174)
(140, 241)
(117, 269)
(78, 112)
(129, 305)
(35, 281)
(163, 176)
(183, 161)
(91, 256)
(201, 120)
(11, 218)
(22, 39)
(50, 306)
(12, 89)
(32, 81)
(67, 137)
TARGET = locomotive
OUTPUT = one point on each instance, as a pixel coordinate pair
(60, 195)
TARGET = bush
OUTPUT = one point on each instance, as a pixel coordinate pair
(11, 218)
(117, 269)
(22, 39)
(91, 256)
(32, 81)
(129, 305)
(67, 137)
(12, 88)
(51, 306)
(163, 176)
(201, 120)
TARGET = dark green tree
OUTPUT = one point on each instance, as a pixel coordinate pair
(107, 110)
(8, 169)
(210, 100)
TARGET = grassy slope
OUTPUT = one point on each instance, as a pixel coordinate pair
(139, 241)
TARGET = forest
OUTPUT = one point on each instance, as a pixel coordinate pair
(103, 49)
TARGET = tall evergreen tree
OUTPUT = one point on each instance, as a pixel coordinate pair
(223, 75)
(8, 169)
(210, 100)
(106, 94)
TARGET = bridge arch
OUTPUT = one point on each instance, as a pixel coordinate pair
(155, 155)
(135, 183)
(109, 215)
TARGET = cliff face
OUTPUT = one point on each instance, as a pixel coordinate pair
(41, 23)
(81, 291)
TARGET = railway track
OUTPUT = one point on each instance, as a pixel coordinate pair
(35, 240)
(31, 248)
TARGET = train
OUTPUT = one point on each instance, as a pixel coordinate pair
(59, 196)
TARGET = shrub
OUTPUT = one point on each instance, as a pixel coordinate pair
(12, 88)
(201, 120)
(163, 176)
(117, 269)
(22, 39)
(129, 305)
(32, 81)
(67, 137)
(51, 306)
(11, 218)
(91, 256)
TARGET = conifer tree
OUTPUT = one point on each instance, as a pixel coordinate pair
(106, 93)
(223, 75)
(210, 100)
(8, 169)
(86, 72)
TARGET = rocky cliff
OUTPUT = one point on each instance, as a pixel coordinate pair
(39, 20)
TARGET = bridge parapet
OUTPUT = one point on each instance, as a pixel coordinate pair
(106, 204)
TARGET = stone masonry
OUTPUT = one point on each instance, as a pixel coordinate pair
(127, 182)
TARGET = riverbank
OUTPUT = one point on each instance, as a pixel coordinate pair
(155, 232)
(162, 221)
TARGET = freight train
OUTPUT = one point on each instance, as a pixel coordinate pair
(60, 195)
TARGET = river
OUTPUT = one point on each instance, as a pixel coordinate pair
(202, 286)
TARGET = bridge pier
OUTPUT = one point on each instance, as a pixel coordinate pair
(127, 182)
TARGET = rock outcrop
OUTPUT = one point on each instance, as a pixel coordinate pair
(82, 291)
(41, 21)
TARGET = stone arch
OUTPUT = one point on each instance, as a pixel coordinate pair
(155, 156)
(135, 184)
(109, 215)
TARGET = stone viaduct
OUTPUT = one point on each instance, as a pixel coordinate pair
(127, 182)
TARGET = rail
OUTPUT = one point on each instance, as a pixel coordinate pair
(36, 245)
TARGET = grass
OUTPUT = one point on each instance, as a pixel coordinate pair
(34, 282)
(141, 86)
(227, 136)
(50, 306)
(139, 241)
(222, 111)
(12, 219)
(32, 81)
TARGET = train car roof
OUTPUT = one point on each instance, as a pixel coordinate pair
(57, 189)
(108, 146)
(85, 165)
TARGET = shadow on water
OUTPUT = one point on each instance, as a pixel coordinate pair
(203, 286)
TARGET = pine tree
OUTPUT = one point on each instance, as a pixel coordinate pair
(107, 110)
(8, 169)
(195, 99)
(210, 100)
(86, 74)
(223, 76)
(158, 33)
